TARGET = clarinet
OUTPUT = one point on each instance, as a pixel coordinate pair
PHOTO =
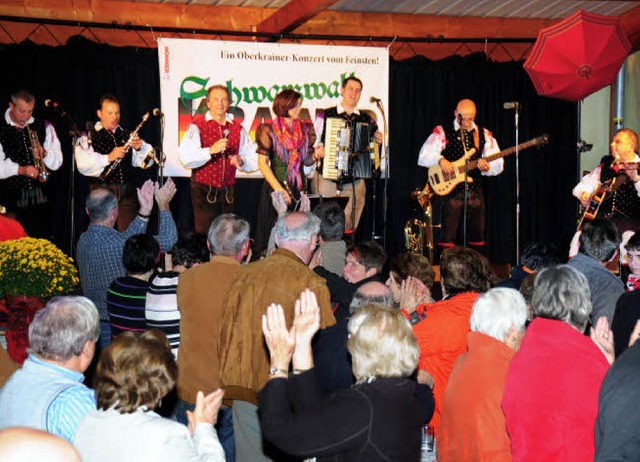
(126, 146)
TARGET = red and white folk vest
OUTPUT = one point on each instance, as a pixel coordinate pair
(218, 172)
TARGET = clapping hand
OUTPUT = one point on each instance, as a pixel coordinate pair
(145, 197)
(280, 341)
(305, 203)
(413, 293)
(602, 336)
(278, 199)
(206, 410)
(164, 194)
(305, 324)
(307, 318)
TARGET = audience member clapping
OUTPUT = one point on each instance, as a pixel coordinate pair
(134, 373)
(412, 274)
(377, 419)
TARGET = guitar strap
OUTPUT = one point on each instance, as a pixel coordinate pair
(476, 138)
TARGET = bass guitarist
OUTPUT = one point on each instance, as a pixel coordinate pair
(448, 144)
(623, 204)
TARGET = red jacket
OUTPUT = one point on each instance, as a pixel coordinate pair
(442, 337)
(550, 397)
(472, 426)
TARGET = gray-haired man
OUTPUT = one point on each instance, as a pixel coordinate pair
(279, 278)
(48, 393)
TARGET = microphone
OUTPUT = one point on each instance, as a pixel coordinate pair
(158, 113)
(511, 105)
(225, 132)
(375, 100)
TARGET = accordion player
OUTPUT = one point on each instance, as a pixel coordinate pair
(350, 150)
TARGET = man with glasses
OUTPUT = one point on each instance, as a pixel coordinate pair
(446, 145)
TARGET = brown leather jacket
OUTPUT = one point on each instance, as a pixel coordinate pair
(279, 278)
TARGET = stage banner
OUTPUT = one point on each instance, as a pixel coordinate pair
(255, 73)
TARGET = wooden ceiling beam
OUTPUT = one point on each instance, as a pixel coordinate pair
(248, 19)
(292, 15)
(139, 13)
(420, 25)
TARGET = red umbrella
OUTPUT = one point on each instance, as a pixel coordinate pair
(577, 56)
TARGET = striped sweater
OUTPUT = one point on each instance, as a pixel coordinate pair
(162, 307)
(126, 299)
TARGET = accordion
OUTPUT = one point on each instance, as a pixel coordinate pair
(348, 151)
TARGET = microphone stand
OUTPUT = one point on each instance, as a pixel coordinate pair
(161, 157)
(386, 179)
(466, 182)
(75, 134)
(516, 117)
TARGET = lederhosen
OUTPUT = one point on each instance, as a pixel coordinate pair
(453, 204)
(213, 184)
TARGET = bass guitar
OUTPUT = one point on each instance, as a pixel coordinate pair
(442, 184)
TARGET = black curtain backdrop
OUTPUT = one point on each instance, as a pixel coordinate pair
(423, 94)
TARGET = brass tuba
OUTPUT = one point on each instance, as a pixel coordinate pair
(38, 161)
(418, 233)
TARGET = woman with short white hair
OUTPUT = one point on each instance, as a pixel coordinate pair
(472, 424)
(379, 418)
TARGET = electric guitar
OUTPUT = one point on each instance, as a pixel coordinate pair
(603, 193)
(443, 184)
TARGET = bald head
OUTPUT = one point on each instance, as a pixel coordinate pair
(465, 113)
(295, 220)
(19, 444)
(371, 293)
(373, 289)
(101, 203)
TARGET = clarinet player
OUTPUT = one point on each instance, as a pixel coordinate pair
(108, 154)
(29, 150)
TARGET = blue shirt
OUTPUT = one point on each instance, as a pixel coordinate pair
(99, 255)
(45, 396)
(70, 406)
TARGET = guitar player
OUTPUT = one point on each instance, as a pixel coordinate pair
(623, 204)
(444, 146)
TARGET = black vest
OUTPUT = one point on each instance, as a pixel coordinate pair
(454, 151)
(103, 142)
(16, 145)
(624, 202)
